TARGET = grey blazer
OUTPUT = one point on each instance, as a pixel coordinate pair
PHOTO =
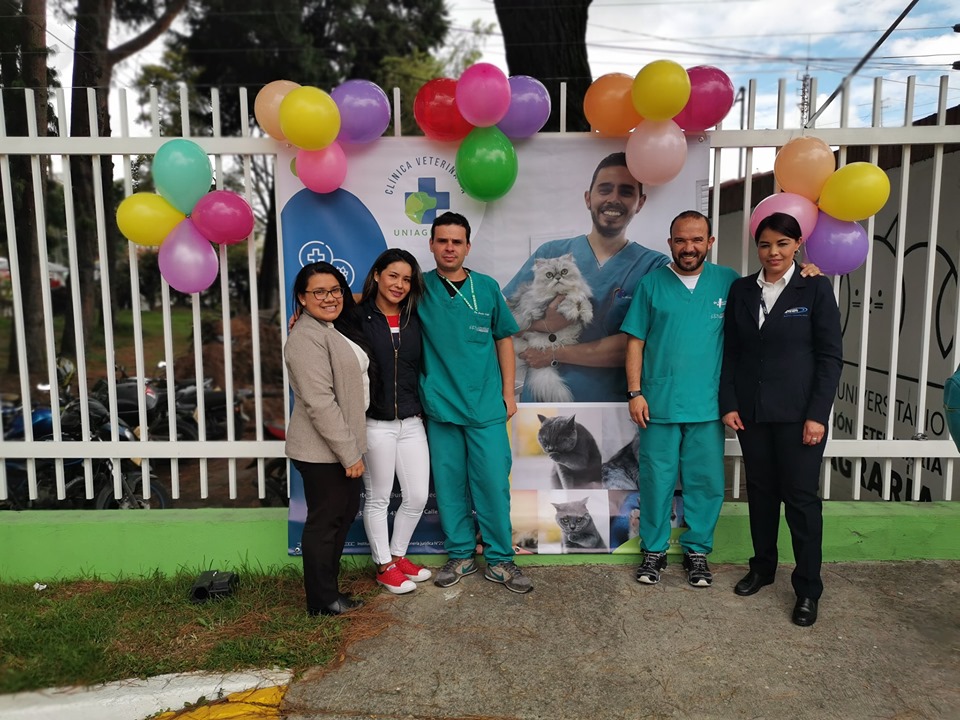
(328, 421)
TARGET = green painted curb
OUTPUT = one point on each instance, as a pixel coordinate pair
(45, 545)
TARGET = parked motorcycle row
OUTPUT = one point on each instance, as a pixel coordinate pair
(131, 473)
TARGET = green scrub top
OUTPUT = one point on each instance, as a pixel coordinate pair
(460, 380)
(683, 342)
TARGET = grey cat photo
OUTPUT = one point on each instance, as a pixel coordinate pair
(577, 529)
(574, 451)
(577, 459)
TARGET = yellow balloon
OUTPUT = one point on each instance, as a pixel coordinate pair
(309, 118)
(803, 165)
(147, 218)
(855, 192)
(660, 90)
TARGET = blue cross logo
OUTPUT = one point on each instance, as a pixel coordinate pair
(427, 199)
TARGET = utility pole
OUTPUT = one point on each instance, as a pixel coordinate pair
(805, 99)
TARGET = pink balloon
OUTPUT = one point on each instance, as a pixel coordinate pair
(322, 171)
(802, 210)
(187, 259)
(483, 94)
(223, 217)
(656, 151)
(711, 97)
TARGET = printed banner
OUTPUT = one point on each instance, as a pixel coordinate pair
(394, 190)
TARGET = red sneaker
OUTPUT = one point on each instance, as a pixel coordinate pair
(414, 572)
(395, 581)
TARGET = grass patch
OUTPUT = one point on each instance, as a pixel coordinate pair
(88, 631)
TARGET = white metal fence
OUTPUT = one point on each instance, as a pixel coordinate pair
(915, 459)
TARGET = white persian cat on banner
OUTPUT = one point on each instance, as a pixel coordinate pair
(551, 277)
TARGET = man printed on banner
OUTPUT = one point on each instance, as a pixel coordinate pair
(580, 342)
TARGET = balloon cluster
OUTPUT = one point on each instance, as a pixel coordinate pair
(656, 107)
(826, 202)
(185, 217)
(484, 110)
(318, 123)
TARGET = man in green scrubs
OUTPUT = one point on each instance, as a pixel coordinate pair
(467, 391)
(674, 352)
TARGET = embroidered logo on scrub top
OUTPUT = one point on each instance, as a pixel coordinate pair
(720, 302)
(796, 312)
(621, 294)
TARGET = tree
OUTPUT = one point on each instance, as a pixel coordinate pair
(93, 66)
(23, 64)
(411, 72)
(231, 44)
(547, 39)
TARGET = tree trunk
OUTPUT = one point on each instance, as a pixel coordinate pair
(268, 280)
(90, 70)
(547, 39)
(30, 28)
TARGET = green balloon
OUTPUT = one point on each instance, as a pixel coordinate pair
(182, 173)
(486, 164)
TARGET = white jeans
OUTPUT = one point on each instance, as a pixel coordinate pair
(394, 447)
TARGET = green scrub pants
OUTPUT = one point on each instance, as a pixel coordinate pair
(695, 452)
(471, 470)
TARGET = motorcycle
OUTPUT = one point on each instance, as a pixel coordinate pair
(131, 475)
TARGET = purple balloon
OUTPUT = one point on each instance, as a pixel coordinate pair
(529, 107)
(187, 259)
(837, 247)
(364, 111)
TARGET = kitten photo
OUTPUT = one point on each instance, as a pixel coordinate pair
(577, 527)
(551, 277)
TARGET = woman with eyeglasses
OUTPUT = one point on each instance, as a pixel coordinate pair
(396, 438)
(327, 434)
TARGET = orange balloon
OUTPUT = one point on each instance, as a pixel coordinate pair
(266, 108)
(608, 105)
(803, 166)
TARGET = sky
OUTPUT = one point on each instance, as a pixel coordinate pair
(760, 40)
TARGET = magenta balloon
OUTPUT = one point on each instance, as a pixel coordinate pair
(187, 259)
(483, 95)
(656, 151)
(364, 111)
(529, 107)
(322, 171)
(711, 97)
(223, 217)
(802, 210)
(837, 247)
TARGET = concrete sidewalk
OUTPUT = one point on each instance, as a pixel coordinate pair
(590, 642)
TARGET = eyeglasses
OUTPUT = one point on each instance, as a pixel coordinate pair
(318, 295)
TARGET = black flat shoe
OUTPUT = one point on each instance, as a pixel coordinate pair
(351, 603)
(805, 612)
(751, 583)
(337, 607)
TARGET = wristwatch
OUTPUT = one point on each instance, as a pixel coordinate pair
(631, 394)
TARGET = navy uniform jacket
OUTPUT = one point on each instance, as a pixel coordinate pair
(788, 370)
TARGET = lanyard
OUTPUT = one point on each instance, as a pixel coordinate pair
(475, 307)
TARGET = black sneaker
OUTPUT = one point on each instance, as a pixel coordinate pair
(698, 572)
(649, 572)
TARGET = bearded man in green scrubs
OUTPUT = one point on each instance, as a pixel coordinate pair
(675, 345)
(467, 390)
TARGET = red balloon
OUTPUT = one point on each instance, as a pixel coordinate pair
(711, 97)
(435, 110)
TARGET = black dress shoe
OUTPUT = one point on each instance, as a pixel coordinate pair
(805, 612)
(751, 583)
(337, 607)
